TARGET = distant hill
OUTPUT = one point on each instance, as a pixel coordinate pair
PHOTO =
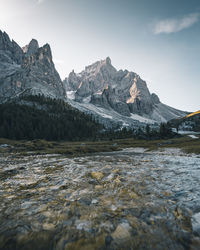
(193, 114)
(190, 122)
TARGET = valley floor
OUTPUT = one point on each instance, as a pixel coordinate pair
(129, 199)
(188, 143)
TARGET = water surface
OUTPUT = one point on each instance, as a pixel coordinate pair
(130, 199)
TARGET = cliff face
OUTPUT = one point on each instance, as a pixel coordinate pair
(122, 91)
(29, 70)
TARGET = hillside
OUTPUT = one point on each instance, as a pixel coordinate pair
(193, 114)
(38, 117)
(191, 122)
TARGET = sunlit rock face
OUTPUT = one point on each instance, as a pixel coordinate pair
(121, 91)
(27, 71)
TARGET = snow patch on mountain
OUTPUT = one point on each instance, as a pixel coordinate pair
(142, 119)
(71, 94)
(111, 118)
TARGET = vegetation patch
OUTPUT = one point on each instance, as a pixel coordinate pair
(67, 148)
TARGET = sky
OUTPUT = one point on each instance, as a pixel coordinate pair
(157, 39)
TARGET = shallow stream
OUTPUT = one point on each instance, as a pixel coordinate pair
(130, 199)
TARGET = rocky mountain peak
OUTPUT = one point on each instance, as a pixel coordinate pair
(5, 43)
(35, 55)
(10, 50)
(108, 60)
(31, 48)
(106, 63)
(29, 70)
(124, 92)
(46, 50)
(102, 66)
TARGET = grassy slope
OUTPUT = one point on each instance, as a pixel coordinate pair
(192, 114)
(185, 143)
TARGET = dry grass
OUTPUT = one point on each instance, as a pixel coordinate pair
(185, 143)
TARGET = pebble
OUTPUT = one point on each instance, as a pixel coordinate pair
(122, 232)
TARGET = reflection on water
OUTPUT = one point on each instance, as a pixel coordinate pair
(130, 199)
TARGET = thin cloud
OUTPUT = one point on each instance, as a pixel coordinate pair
(168, 26)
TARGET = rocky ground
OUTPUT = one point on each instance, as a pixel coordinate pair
(132, 199)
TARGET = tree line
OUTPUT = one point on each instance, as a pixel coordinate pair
(45, 118)
(39, 117)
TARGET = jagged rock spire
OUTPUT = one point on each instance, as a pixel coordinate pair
(5, 43)
(108, 60)
(32, 47)
(29, 70)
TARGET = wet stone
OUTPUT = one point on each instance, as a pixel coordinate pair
(94, 201)
(122, 232)
(97, 175)
(85, 201)
(129, 199)
(108, 240)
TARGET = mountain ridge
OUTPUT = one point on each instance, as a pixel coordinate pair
(113, 97)
(29, 69)
(121, 91)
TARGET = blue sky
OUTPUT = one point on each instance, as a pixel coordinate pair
(158, 39)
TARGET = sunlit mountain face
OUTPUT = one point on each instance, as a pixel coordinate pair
(194, 113)
(103, 90)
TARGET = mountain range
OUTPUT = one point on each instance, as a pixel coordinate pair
(114, 97)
